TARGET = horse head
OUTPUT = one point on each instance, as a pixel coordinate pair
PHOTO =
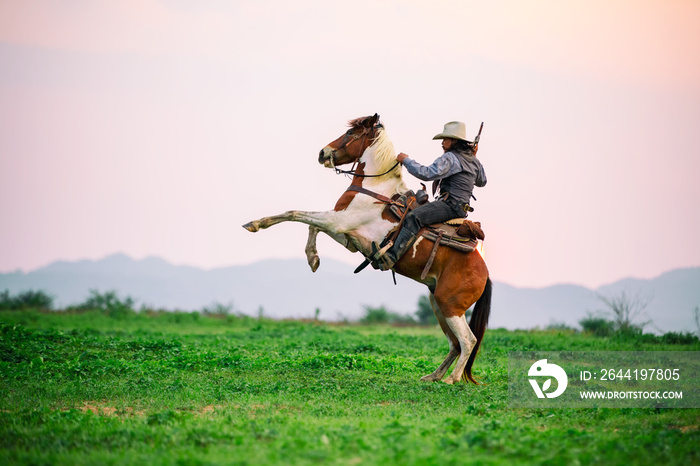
(349, 147)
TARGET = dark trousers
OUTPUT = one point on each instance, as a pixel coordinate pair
(432, 212)
(427, 214)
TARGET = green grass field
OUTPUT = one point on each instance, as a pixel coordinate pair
(179, 388)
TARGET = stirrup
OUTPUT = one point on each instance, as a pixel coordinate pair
(388, 262)
(378, 254)
(374, 256)
(379, 258)
(384, 264)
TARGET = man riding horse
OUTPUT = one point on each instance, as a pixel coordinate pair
(455, 173)
(455, 274)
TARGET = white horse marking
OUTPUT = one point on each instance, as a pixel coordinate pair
(415, 246)
(454, 346)
(467, 340)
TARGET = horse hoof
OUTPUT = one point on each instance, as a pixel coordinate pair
(252, 226)
(314, 263)
(449, 381)
(428, 378)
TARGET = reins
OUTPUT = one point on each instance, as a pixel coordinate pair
(359, 189)
(361, 175)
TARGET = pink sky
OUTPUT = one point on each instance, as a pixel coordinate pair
(157, 128)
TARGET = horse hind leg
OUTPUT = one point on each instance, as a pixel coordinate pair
(451, 339)
(467, 341)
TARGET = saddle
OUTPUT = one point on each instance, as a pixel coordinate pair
(458, 233)
(408, 200)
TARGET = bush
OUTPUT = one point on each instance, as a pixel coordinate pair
(598, 326)
(217, 310)
(26, 300)
(377, 315)
(380, 315)
(425, 314)
(632, 330)
(679, 338)
(560, 326)
(109, 303)
(5, 300)
(624, 308)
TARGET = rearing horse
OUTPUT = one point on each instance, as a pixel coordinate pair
(456, 279)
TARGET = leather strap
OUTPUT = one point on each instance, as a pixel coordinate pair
(360, 189)
(433, 253)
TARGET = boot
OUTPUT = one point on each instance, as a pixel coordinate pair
(403, 242)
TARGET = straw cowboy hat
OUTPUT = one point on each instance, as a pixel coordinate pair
(454, 130)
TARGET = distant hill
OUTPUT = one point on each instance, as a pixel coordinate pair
(283, 288)
(287, 288)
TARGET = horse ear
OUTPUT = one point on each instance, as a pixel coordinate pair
(371, 121)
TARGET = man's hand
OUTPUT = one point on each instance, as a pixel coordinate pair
(401, 157)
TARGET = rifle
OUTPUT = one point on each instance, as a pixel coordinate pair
(476, 139)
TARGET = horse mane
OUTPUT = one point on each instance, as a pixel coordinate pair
(357, 122)
(384, 153)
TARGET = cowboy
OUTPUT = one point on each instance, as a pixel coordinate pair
(456, 172)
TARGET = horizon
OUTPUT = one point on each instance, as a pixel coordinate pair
(164, 141)
(305, 267)
(669, 299)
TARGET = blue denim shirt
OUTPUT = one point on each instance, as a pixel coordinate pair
(460, 173)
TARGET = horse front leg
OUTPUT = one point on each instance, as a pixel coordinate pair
(335, 224)
(321, 220)
(311, 252)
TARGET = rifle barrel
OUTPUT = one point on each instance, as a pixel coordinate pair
(478, 136)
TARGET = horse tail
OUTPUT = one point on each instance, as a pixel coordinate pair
(477, 323)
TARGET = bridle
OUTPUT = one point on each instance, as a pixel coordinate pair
(347, 140)
(361, 175)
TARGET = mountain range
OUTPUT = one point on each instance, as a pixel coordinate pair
(288, 289)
